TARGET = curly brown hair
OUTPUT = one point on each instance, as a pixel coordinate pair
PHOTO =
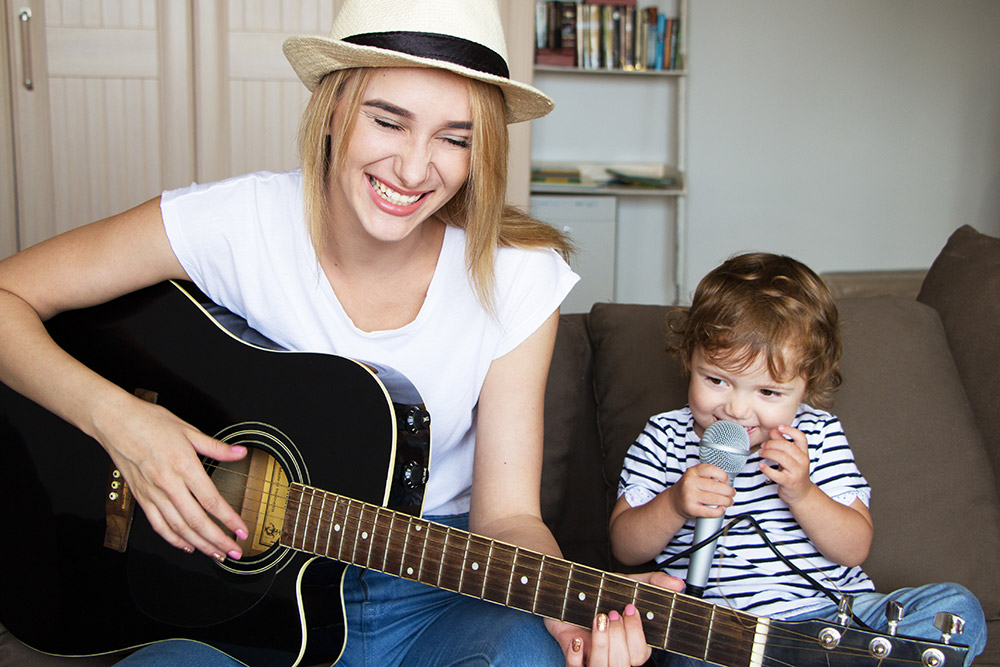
(757, 305)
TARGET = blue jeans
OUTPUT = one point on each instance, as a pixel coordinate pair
(393, 621)
(920, 605)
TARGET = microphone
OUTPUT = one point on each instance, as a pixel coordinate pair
(726, 445)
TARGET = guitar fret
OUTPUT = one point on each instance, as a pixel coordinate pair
(569, 580)
(465, 560)
(670, 620)
(364, 534)
(357, 531)
(444, 552)
(711, 624)
(510, 580)
(538, 585)
(388, 540)
(372, 536)
(486, 570)
(319, 522)
(600, 592)
(289, 533)
(423, 553)
(312, 497)
(296, 533)
(340, 520)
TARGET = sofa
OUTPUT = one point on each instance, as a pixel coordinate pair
(920, 404)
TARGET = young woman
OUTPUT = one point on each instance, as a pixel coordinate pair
(391, 244)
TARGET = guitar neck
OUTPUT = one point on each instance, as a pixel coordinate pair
(373, 537)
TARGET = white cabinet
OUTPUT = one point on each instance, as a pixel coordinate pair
(590, 222)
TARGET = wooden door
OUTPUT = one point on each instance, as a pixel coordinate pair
(108, 120)
(130, 97)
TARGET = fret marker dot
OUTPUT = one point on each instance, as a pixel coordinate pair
(524, 580)
(409, 570)
(336, 528)
(419, 528)
(582, 597)
(364, 535)
(649, 616)
(475, 566)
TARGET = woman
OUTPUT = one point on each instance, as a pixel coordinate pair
(391, 244)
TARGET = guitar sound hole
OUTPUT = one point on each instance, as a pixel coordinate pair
(257, 487)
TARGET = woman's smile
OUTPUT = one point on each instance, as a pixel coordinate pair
(392, 196)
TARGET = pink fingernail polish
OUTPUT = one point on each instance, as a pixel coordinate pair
(630, 609)
(235, 555)
(613, 616)
(241, 534)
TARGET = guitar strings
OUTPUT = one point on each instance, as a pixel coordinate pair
(693, 617)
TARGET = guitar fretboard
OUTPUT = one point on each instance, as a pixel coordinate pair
(327, 524)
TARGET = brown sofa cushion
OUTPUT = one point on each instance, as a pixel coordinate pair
(963, 285)
(907, 418)
(572, 505)
(634, 378)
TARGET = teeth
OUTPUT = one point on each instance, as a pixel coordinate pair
(391, 195)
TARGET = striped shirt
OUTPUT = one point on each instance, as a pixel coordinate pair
(746, 574)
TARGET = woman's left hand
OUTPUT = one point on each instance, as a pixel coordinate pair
(616, 638)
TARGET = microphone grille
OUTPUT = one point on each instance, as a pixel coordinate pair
(725, 444)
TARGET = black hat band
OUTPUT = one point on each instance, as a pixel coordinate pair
(447, 48)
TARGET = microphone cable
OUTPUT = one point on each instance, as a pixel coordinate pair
(749, 518)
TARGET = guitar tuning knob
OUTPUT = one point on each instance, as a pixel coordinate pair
(844, 609)
(949, 624)
(893, 614)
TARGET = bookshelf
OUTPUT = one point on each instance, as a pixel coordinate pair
(632, 122)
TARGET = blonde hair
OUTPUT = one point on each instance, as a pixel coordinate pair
(763, 305)
(479, 207)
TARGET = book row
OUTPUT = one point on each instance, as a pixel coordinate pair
(606, 36)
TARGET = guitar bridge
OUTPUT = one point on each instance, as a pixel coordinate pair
(119, 503)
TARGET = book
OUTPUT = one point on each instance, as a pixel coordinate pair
(619, 177)
(606, 34)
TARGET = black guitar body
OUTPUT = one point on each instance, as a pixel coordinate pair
(322, 419)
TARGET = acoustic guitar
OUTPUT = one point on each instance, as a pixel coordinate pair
(339, 454)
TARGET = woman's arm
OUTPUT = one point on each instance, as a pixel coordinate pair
(156, 452)
(506, 490)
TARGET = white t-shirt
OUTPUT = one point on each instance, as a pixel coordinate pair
(244, 242)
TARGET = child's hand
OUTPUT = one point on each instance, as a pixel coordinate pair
(702, 491)
(792, 457)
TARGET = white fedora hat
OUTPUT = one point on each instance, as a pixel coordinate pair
(462, 36)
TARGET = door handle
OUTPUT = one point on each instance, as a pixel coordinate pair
(25, 18)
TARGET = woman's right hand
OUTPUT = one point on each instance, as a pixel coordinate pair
(157, 453)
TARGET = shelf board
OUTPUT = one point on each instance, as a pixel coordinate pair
(556, 69)
(594, 175)
(607, 190)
